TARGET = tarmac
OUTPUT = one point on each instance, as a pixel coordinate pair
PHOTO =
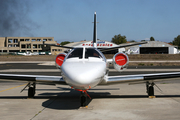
(120, 101)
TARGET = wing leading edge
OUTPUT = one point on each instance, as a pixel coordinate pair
(139, 78)
(34, 78)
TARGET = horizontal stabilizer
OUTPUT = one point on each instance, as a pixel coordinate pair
(121, 46)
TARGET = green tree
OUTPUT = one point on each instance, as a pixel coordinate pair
(118, 39)
(176, 41)
(152, 38)
(64, 43)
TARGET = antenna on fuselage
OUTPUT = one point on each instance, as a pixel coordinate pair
(94, 33)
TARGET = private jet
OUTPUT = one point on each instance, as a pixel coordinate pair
(83, 68)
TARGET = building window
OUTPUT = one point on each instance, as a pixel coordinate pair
(15, 40)
(16, 45)
(27, 40)
(10, 41)
(23, 46)
(34, 46)
(33, 40)
(10, 45)
(21, 39)
(39, 46)
(44, 39)
(29, 46)
(38, 39)
(49, 39)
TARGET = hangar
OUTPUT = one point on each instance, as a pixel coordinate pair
(153, 47)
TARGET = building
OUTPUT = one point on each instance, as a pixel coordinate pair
(24, 44)
(57, 50)
(153, 47)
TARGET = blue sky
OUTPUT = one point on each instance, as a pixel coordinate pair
(72, 19)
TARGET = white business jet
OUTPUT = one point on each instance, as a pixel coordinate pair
(86, 67)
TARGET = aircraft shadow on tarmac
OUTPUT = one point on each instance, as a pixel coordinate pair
(68, 99)
(71, 100)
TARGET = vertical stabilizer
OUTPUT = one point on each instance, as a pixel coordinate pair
(94, 33)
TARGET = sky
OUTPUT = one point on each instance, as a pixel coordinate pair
(71, 20)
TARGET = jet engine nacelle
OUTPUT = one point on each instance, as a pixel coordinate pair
(120, 61)
(60, 59)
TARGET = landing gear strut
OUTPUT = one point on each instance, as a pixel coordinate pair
(32, 90)
(150, 89)
(83, 99)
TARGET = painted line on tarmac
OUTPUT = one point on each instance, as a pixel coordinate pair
(56, 70)
(13, 88)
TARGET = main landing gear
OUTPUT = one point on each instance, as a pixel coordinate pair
(31, 90)
(150, 89)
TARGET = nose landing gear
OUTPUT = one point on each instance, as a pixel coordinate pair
(83, 99)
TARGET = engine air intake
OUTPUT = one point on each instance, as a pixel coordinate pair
(120, 61)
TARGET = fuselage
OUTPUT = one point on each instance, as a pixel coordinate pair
(84, 68)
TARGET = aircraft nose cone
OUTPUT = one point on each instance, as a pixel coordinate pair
(83, 74)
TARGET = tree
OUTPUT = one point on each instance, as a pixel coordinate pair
(176, 41)
(152, 38)
(118, 39)
(64, 43)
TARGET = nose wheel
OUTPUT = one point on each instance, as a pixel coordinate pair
(83, 99)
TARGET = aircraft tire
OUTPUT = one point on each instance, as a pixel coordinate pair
(83, 100)
(31, 92)
(151, 91)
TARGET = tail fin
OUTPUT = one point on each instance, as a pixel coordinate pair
(94, 34)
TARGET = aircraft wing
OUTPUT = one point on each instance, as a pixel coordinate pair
(122, 45)
(141, 78)
(58, 46)
(34, 78)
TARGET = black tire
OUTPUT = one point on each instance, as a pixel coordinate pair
(151, 91)
(83, 101)
(31, 92)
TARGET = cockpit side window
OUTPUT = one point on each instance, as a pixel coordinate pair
(91, 52)
(77, 52)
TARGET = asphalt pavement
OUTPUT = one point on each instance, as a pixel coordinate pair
(120, 101)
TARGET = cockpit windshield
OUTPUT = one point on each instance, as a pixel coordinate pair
(88, 53)
(77, 52)
(91, 52)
